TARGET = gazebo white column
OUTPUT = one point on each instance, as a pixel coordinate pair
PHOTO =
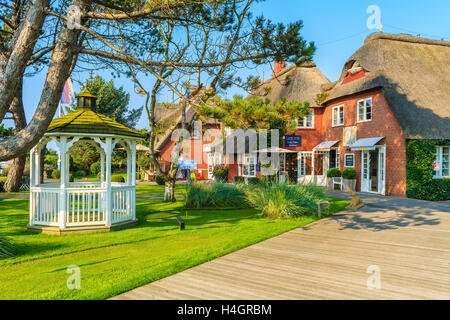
(64, 174)
(108, 151)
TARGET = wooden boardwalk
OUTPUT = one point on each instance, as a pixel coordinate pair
(327, 260)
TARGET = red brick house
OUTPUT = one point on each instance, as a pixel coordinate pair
(395, 89)
(170, 117)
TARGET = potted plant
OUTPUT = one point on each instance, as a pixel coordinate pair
(349, 176)
(220, 173)
(331, 174)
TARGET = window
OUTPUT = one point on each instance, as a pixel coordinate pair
(338, 116)
(214, 159)
(307, 121)
(247, 165)
(349, 160)
(442, 162)
(365, 110)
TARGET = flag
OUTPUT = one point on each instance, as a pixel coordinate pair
(68, 95)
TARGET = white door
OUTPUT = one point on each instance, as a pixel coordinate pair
(382, 170)
(365, 171)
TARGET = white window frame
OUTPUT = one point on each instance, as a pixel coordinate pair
(345, 160)
(365, 110)
(214, 159)
(302, 123)
(246, 166)
(339, 122)
(439, 155)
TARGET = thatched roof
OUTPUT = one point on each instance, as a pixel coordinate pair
(295, 83)
(170, 115)
(414, 74)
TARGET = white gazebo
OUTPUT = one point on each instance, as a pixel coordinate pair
(67, 206)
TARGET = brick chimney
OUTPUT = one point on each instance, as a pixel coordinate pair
(278, 67)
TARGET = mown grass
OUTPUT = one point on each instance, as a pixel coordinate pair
(114, 262)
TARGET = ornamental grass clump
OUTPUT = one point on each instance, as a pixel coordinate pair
(205, 195)
(284, 201)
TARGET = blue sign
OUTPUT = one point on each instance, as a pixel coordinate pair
(292, 141)
(187, 164)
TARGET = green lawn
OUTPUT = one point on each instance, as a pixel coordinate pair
(114, 262)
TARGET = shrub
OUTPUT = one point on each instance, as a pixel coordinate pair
(96, 168)
(253, 181)
(334, 173)
(215, 195)
(238, 180)
(349, 174)
(7, 250)
(117, 178)
(99, 175)
(284, 201)
(5, 172)
(56, 174)
(269, 179)
(71, 179)
(220, 171)
(160, 179)
(419, 171)
(79, 174)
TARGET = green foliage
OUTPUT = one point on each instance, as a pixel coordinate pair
(254, 181)
(419, 171)
(71, 178)
(52, 160)
(284, 201)
(349, 174)
(79, 174)
(83, 155)
(238, 180)
(160, 179)
(334, 173)
(204, 195)
(96, 168)
(7, 249)
(220, 171)
(145, 162)
(113, 102)
(269, 179)
(117, 178)
(56, 174)
(5, 172)
(256, 113)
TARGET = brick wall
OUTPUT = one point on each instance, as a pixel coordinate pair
(383, 124)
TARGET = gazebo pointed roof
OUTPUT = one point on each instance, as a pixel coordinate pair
(85, 120)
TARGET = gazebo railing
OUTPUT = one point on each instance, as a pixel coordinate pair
(44, 206)
(85, 205)
(123, 203)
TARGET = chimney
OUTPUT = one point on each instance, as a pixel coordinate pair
(278, 67)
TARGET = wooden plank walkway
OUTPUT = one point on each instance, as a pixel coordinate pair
(327, 260)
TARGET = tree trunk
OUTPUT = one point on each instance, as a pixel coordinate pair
(169, 192)
(41, 164)
(58, 71)
(15, 173)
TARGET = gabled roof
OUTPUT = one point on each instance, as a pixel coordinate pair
(87, 121)
(414, 74)
(295, 83)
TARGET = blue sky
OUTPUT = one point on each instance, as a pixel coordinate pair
(337, 27)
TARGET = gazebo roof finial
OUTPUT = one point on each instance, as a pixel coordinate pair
(86, 93)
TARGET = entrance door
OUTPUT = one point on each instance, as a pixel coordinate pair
(365, 171)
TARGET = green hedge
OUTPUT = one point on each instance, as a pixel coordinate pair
(253, 181)
(160, 180)
(117, 178)
(419, 171)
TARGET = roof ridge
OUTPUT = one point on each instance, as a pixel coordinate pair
(75, 115)
(404, 37)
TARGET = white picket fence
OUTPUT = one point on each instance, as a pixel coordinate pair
(85, 205)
